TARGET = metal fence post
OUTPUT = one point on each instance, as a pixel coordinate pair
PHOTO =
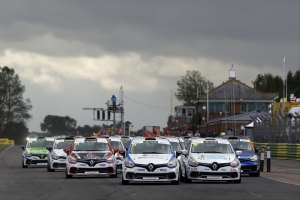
(268, 158)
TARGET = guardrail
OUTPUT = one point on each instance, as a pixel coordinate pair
(282, 151)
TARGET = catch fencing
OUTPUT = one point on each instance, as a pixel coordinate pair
(277, 130)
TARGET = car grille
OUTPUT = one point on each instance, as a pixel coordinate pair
(155, 166)
(28, 162)
(62, 157)
(205, 174)
(119, 166)
(209, 165)
(41, 156)
(131, 175)
(59, 165)
(249, 169)
(76, 170)
(93, 163)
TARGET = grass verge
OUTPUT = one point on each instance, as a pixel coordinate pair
(3, 147)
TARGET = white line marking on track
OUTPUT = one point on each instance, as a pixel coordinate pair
(281, 181)
(255, 194)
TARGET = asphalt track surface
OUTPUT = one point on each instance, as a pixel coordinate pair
(36, 183)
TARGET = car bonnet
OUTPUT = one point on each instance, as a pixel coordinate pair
(213, 157)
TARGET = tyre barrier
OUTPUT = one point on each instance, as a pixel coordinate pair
(282, 151)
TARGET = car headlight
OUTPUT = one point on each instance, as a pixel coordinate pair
(72, 159)
(128, 163)
(235, 163)
(54, 156)
(111, 159)
(192, 162)
(172, 163)
(27, 153)
(254, 158)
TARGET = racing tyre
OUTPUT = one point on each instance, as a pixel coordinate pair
(176, 182)
(257, 174)
(114, 175)
(67, 175)
(23, 166)
(49, 168)
(124, 182)
(186, 179)
(238, 181)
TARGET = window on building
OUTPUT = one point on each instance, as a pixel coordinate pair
(244, 107)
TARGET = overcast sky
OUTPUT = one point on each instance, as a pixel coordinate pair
(76, 54)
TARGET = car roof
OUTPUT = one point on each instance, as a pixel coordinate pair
(41, 138)
(115, 138)
(149, 138)
(82, 139)
(243, 138)
(172, 139)
(223, 140)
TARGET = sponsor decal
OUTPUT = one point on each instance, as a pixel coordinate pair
(232, 169)
(194, 168)
(212, 157)
(207, 169)
(163, 170)
(223, 170)
(83, 165)
(141, 170)
(102, 165)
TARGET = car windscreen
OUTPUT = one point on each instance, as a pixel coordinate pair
(39, 143)
(91, 146)
(176, 146)
(241, 145)
(126, 142)
(211, 148)
(116, 144)
(150, 147)
(62, 144)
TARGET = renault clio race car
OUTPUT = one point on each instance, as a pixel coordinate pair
(35, 152)
(150, 159)
(117, 145)
(56, 155)
(211, 159)
(90, 156)
(250, 162)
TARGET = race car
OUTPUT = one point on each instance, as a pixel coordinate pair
(56, 155)
(35, 152)
(117, 146)
(150, 159)
(90, 156)
(211, 159)
(178, 147)
(126, 141)
(249, 159)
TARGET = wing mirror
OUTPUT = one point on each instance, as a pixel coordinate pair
(115, 150)
(67, 150)
(22, 147)
(178, 153)
(238, 153)
(49, 148)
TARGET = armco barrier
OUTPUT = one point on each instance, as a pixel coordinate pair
(6, 141)
(282, 150)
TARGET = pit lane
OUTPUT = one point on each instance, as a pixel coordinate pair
(17, 183)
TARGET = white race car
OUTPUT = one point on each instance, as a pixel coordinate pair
(211, 159)
(90, 156)
(56, 155)
(150, 159)
(117, 146)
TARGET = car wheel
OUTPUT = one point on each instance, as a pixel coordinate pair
(186, 179)
(49, 168)
(257, 174)
(238, 181)
(115, 175)
(176, 182)
(67, 175)
(23, 166)
(124, 182)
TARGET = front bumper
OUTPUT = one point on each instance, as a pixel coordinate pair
(83, 169)
(162, 174)
(249, 167)
(227, 173)
(59, 164)
(34, 161)
(119, 163)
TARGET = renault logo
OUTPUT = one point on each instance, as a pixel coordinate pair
(91, 162)
(42, 156)
(214, 166)
(150, 167)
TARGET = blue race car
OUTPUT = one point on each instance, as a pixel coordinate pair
(249, 159)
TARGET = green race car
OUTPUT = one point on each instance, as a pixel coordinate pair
(35, 152)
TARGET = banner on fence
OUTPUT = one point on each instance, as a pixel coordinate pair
(6, 141)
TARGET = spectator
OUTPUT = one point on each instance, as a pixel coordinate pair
(114, 100)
